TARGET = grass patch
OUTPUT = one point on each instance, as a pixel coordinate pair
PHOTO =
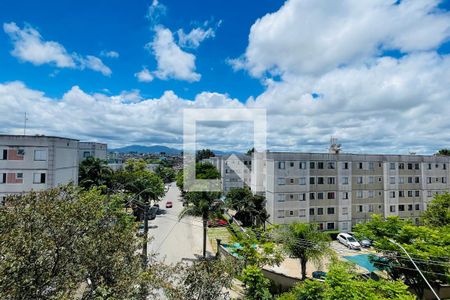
(218, 233)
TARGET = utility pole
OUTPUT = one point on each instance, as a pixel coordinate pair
(144, 247)
(417, 268)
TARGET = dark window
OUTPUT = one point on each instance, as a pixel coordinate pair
(291, 164)
(5, 154)
(346, 165)
(320, 180)
(410, 207)
(320, 165)
(360, 208)
(410, 166)
(311, 211)
(360, 165)
(417, 206)
(330, 226)
(320, 196)
(401, 166)
(401, 207)
(312, 165)
(320, 211)
(311, 180)
(330, 210)
(312, 196)
(417, 166)
(331, 195)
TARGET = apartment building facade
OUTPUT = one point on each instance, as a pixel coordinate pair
(337, 191)
(234, 169)
(88, 149)
(36, 163)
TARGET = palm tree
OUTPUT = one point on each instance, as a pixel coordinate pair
(94, 172)
(305, 242)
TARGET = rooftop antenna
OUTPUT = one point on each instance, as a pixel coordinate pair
(335, 148)
(25, 124)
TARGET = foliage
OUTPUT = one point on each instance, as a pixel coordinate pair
(204, 154)
(94, 172)
(305, 242)
(444, 152)
(429, 247)
(343, 283)
(165, 173)
(251, 151)
(438, 211)
(256, 284)
(203, 280)
(250, 209)
(54, 242)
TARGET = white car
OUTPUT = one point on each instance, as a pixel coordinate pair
(349, 241)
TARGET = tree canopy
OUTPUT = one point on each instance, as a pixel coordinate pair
(250, 209)
(203, 154)
(94, 172)
(438, 212)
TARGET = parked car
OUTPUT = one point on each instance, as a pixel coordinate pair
(365, 242)
(169, 204)
(319, 274)
(217, 223)
(348, 240)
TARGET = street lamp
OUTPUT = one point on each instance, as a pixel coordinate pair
(417, 268)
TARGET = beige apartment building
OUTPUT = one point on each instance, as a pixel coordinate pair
(88, 149)
(36, 163)
(337, 191)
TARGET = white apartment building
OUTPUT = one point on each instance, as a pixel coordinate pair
(234, 169)
(36, 163)
(88, 149)
(337, 191)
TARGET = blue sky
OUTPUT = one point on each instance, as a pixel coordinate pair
(375, 74)
(90, 27)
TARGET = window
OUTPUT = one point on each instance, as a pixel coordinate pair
(410, 180)
(312, 165)
(302, 165)
(302, 213)
(281, 165)
(392, 208)
(410, 166)
(2, 178)
(291, 180)
(320, 180)
(312, 196)
(392, 166)
(401, 166)
(280, 214)
(302, 181)
(370, 208)
(320, 211)
(429, 180)
(444, 166)
(345, 195)
(359, 180)
(410, 193)
(320, 226)
(344, 226)
(291, 213)
(370, 194)
(401, 194)
(392, 194)
(401, 180)
(311, 211)
(331, 165)
(21, 152)
(320, 165)
(429, 166)
(4, 154)
(360, 165)
(359, 194)
(391, 180)
(331, 195)
(401, 207)
(444, 179)
(360, 208)
(371, 179)
(291, 197)
(19, 175)
(291, 164)
(370, 166)
(417, 193)
(417, 166)
(320, 196)
(39, 178)
(330, 210)
(330, 226)
(281, 181)
(331, 180)
(417, 179)
(346, 165)
(430, 194)
(86, 154)
(344, 180)
(345, 210)
(311, 180)
(410, 207)
(40, 155)
(281, 197)
(302, 197)
(417, 206)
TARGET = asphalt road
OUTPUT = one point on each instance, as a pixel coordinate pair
(174, 240)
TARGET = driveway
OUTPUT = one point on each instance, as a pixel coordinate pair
(174, 240)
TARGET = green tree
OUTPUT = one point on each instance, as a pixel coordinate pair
(250, 209)
(305, 242)
(65, 242)
(251, 151)
(203, 154)
(165, 173)
(438, 211)
(203, 204)
(444, 152)
(343, 283)
(94, 172)
(256, 284)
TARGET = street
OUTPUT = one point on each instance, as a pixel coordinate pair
(174, 240)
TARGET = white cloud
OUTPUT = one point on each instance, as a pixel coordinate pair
(144, 75)
(29, 46)
(172, 62)
(316, 36)
(155, 12)
(110, 54)
(194, 37)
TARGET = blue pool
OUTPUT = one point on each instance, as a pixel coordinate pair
(362, 260)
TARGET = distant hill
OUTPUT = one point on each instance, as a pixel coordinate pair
(159, 149)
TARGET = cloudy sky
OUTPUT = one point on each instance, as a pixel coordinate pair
(375, 73)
